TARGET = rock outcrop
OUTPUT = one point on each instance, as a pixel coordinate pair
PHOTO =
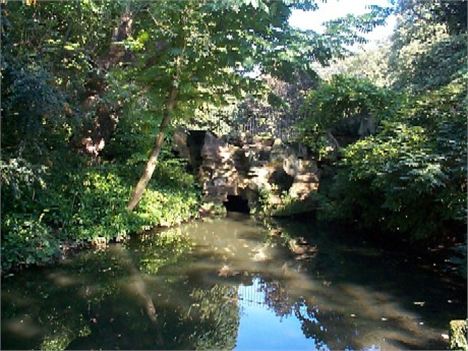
(248, 167)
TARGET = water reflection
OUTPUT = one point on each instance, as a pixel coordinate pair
(229, 284)
(258, 323)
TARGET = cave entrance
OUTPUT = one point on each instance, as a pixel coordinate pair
(236, 203)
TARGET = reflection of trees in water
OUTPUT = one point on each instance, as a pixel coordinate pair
(91, 300)
(328, 329)
(163, 249)
(208, 318)
(112, 299)
(59, 303)
(277, 298)
(217, 315)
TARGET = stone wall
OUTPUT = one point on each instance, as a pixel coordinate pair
(247, 167)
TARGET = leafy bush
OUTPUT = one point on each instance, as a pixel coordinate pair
(271, 203)
(340, 100)
(343, 97)
(400, 181)
(19, 178)
(408, 179)
(90, 204)
(170, 199)
(26, 240)
(31, 105)
(295, 207)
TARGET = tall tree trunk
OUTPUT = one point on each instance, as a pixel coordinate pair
(153, 159)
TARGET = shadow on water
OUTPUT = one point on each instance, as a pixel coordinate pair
(229, 284)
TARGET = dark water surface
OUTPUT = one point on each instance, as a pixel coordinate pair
(230, 284)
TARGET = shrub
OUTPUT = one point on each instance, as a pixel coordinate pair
(91, 203)
(28, 241)
(401, 181)
(339, 100)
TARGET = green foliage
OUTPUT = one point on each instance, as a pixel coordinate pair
(26, 240)
(47, 60)
(272, 204)
(275, 111)
(349, 29)
(58, 80)
(19, 178)
(400, 181)
(369, 63)
(31, 105)
(91, 204)
(209, 53)
(295, 207)
(265, 206)
(343, 99)
(429, 46)
(409, 179)
(435, 107)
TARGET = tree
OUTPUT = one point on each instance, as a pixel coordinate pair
(44, 48)
(409, 179)
(345, 106)
(429, 45)
(202, 51)
(136, 66)
(198, 53)
(369, 64)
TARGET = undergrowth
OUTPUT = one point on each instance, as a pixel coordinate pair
(78, 203)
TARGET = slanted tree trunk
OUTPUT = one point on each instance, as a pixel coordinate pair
(167, 114)
(140, 289)
(153, 159)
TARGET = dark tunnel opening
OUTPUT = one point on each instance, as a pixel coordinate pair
(236, 203)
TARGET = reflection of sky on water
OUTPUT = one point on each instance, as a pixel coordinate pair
(261, 327)
(258, 324)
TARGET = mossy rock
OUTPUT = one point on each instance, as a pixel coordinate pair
(458, 337)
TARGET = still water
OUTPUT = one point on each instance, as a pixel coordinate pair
(233, 284)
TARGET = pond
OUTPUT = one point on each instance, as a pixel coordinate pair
(233, 284)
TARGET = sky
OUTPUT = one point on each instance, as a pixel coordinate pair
(333, 9)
